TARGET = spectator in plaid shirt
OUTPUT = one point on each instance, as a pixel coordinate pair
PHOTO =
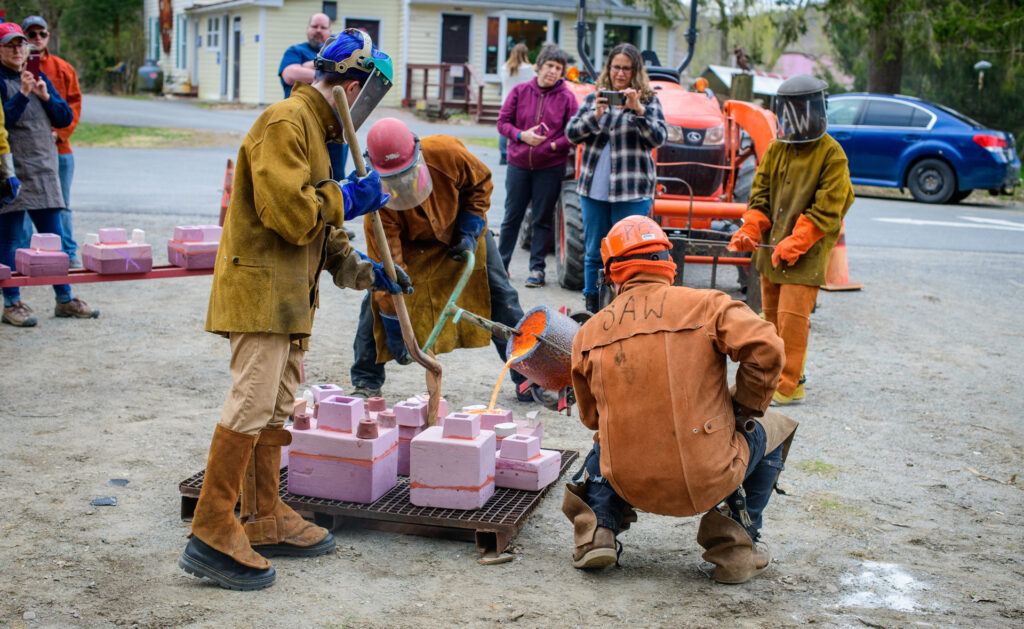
(617, 175)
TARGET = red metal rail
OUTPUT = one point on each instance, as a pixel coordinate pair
(83, 276)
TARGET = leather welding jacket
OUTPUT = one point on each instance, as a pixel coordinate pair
(272, 246)
(419, 239)
(649, 373)
(812, 179)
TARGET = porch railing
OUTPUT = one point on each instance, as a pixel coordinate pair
(447, 86)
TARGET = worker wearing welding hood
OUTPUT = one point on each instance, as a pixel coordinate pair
(281, 229)
(798, 199)
(439, 197)
(649, 373)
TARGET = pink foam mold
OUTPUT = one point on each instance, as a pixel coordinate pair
(320, 391)
(461, 425)
(452, 472)
(110, 252)
(489, 420)
(339, 412)
(43, 257)
(341, 465)
(522, 464)
(405, 436)
(194, 246)
(386, 419)
(5, 271)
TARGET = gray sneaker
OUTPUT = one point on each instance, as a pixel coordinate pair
(19, 315)
(364, 392)
(535, 279)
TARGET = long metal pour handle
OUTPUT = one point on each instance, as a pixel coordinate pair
(408, 335)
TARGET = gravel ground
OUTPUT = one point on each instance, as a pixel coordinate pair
(903, 505)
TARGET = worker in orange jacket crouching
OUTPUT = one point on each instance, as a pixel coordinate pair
(649, 373)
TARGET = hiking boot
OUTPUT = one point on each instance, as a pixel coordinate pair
(600, 553)
(364, 392)
(19, 315)
(535, 279)
(728, 545)
(75, 308)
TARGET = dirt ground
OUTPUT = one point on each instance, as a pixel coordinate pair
(903, 507)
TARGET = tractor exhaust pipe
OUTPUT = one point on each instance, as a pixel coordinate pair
(691, 37)
(581, 39)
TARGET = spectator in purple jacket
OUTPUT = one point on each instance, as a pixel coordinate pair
(533, 119)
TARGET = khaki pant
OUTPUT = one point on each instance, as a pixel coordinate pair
(264, 375)
(788, 307)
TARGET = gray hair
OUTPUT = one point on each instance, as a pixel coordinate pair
(551, 52)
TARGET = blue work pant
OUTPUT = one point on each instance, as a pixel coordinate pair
(598, 218)
(11, 238)
(66, 165)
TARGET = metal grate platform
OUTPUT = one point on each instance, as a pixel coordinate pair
(492, 526)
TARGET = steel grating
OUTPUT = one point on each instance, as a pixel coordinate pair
(504, 514)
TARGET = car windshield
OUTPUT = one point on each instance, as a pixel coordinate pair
(959, 116)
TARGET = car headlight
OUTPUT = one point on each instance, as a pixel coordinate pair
(675, 134)
(715, 135)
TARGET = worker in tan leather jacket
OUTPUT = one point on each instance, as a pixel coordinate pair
(649, 373)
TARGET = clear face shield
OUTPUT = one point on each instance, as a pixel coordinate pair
(801, 117)
(410, 186)
(365, 59)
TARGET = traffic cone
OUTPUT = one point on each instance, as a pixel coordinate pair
(837, 276)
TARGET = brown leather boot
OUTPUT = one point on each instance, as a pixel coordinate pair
(218, 548)
(736, 557)
(596, 546)
(273, 528)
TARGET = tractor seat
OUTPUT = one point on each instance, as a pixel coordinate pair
(661, 73)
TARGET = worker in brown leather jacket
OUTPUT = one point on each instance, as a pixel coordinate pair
(649, 373)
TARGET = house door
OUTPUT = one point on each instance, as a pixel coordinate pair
(236, 47)
(455, 49)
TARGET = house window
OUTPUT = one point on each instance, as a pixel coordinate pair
(491, 51)
(181, 50)
(213, 33)
(533, 33)
(370, 27)
(153, 50)
(615, 34)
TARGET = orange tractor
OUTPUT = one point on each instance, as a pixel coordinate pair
(704, 170)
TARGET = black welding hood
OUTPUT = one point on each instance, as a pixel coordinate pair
(800, 108)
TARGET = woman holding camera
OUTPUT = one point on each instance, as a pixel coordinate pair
(618, 125)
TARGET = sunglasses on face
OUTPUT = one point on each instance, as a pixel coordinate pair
(38, 34)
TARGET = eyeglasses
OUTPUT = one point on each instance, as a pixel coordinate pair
(16, 45)
(621, 68)
(38, 34)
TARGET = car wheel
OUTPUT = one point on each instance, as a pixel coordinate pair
(960, 195)
(931, 181)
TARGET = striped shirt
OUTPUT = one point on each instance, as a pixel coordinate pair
(630, 137)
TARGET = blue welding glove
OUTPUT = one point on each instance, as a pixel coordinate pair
(393, 333)
(362, 194)
(9, 189)
(467, 231)
(382, 282)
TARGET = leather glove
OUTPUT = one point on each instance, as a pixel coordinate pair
(393, 334)
(362, 194)
(382, 282)
(467, 231)
(805, 234)
(348, 267)
(747, 237)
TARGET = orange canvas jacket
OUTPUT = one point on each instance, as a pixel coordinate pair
(649, 373)
(65, 81)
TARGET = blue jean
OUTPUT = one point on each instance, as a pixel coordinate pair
(598, 218)
(368, 373)
(762, 471)
(541, 186)
(503, 146)
(66, 165)
(11, 232)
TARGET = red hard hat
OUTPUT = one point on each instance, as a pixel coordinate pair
(391, 146)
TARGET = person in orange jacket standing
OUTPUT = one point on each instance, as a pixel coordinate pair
(65, 80)
(798, 199)
(650, 376)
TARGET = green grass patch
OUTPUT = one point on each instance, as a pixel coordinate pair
(830, 503)
(117, 136)
(491, 143)
(818, 468)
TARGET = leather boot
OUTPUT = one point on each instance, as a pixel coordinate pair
(218, 548)
(596, 546)
(274, 528)
(736, 557)
(593, 302)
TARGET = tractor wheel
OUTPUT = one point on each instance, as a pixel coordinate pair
(526, 229)
(931, 181)
(744, 181)
(569, 246)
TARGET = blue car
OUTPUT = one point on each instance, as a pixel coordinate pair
(937, 153)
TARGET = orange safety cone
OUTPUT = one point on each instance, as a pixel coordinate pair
(229, 184)
(837, 276)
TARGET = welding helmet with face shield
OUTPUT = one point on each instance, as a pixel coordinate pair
(351, 54)
(800, 108)
(394, 152)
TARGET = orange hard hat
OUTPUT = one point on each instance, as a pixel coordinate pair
(636, 244)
